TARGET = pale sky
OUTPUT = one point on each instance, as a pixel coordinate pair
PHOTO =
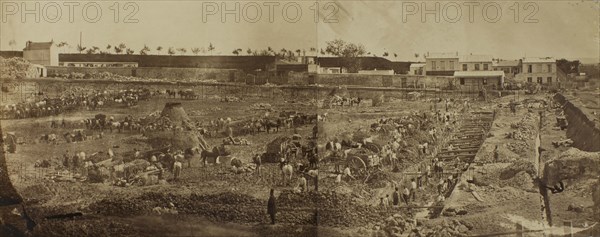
(568, 29)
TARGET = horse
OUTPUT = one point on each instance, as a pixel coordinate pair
(333, 146)
(287, 171)
(215, 153)
(268, 124)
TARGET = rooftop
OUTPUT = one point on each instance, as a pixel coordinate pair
(442, 55)
(479, 74)
(37, 45)
(417, 65)
(507, 63)
(539, 60)
(475, 58)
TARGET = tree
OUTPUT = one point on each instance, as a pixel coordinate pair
(298, 51)
(108, 47)
(145, 50)
(211, 48)
(340, 48)
(567, 66)
(195, 50)
(312, 49)
(80, 48)
(118, 50)
(395, 55)
(417, 56)
(235, 52)
(385, 54)
(322, 52)
(158, 49)
(249, 51)
(182, 50)
(129, 51)
(12, 43)
(171, 51)
(62, 45)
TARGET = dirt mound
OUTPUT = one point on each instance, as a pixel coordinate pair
(572, 164)
(334, 209)
(518, 167)
(178, 140)
(175, 113)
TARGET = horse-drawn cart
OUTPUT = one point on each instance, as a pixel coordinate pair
(282, 146)
(362, 161)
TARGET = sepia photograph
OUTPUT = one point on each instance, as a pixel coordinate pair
(300, 118)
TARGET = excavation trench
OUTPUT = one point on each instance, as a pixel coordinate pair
(466, 142)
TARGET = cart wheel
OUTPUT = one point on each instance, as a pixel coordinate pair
(357, 164)
(372, 147)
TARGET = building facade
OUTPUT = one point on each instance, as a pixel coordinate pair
(441, 64)
(538, 70)
(476, 72)
(42, 53)
(510, 68)
(417, 69)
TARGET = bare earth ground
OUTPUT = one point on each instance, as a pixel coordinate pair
(128, 212)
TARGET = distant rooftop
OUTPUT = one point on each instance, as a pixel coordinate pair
(417, 65)
(507, 63)
(539, 60)
(475, 58)
(442, 55)
(37, 45)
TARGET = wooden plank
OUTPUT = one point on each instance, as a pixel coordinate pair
(476, 195)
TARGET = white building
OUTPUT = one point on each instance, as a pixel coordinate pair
(42, 53)
(417, 69)
(539, 70)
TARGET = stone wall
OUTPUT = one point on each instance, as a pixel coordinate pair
(583, 131)
(222, 75)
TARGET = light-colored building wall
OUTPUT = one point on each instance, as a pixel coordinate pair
(539, 72)
(441, 64)
(476, 66)
(45, 57)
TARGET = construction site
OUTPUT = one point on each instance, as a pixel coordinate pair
(201, 161)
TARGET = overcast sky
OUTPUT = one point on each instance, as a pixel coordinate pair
(567, 29)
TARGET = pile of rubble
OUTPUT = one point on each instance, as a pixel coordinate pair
(525, 128)
(396, 225)
(445, 229)
(230, 98)
(519, 147)
(339, 210)
(261, 106)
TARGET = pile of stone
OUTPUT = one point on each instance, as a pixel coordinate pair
(396, 225)
(445, 229)
(261, 106)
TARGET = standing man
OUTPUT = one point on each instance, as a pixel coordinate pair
(258, 162)
(406, 195)
(272, 207)
(396, 197)
(413, 189)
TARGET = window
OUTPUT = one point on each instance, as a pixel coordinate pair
(443, 65)
(529, 68)
(433, 66)
(485, 81)
(539, 68)
(549, 67)
(549, 80)
(529, 79)
(485, 67)
(540, 80)
(464, 67)
(477, 67)
(462, 80)
(451, 65)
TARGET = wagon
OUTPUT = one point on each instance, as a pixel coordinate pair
(362, 161)
(279, 147)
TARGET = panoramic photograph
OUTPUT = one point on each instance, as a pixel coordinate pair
(381, 118)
